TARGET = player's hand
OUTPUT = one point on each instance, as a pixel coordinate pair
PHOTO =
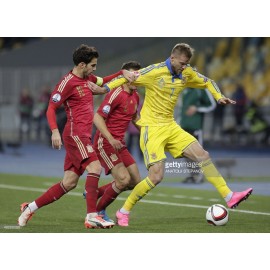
(56, 139)
(96, 90)
(117, 145)
(191, 110)
(131, 76)
(226, 101)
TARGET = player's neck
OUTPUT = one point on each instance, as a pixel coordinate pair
(126, 89)
(77, 72)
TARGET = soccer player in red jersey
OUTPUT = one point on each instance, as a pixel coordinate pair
(73, 91)
(112, 119)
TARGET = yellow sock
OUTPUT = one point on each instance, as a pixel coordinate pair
(214, 177)
(137, 193)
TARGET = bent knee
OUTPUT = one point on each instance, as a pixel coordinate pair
(205, 156)
(123, 181)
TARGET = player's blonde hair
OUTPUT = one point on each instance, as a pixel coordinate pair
(183, 48)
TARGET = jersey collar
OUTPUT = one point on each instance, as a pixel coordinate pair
(169, 66)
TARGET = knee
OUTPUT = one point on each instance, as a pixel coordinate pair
(156, 179)
(97, 169)
(201, 156)
(205, 155)
(123, 181)
(69, 185)
(156, 176)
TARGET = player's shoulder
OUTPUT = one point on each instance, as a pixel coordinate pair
(115, 94)
(152, 68)
(65, 81)
(190, 70)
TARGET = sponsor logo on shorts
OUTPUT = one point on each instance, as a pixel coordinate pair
(106, 109)
(154, 155)
(113, 157)
(56, 98)
(89, 148)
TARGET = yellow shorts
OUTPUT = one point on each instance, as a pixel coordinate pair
(156, 140)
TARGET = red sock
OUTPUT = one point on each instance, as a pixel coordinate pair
(91, 188)
(108, 197)
(102, 189)
(52, 194)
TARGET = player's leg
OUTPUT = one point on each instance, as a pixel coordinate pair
(197, 153)
(53, 194)
(135, 176)
(152, 143)
(84, 158)
(121, 180)
(93, 219)
(156, 172)
(118, 161)
(122, 216)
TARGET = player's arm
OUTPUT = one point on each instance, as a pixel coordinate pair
(207, 103)
(142, 77)
(56, 100)
(120, 78)
(51, 118)
(197, 80)
(100, 123)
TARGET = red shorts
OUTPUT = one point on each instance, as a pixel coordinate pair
(79, 154)
(109, 157)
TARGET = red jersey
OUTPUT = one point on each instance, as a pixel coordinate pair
(74, 93)
(118, 108)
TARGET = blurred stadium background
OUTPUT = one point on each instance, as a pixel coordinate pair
(238, 137)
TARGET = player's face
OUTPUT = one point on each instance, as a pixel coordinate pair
(90, 67)
(179, 62)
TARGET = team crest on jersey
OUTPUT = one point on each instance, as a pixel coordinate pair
(89, 148)
(161, 83)
(80, 91)
(106, 109)
(154, 156)
(113, 157)
(56, 98)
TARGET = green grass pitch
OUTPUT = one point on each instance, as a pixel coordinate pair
(163, 210)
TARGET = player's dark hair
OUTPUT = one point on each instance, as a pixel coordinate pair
(183, 48)
(131, 65)
(85, 54)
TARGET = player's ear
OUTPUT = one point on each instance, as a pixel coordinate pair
(82, 65)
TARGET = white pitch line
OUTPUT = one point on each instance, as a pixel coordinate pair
(123, 199)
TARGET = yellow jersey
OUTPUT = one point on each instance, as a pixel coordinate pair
(162, 89)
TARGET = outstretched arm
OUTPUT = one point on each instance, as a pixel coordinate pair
(128, 76)
(226, 101)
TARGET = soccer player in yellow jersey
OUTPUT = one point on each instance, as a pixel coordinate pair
(163, 83)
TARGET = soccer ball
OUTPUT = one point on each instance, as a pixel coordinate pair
(217, 215)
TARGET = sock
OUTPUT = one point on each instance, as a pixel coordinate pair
(138, 193)
(91, 188)
(214, 177)
(124, 211)
(108, 197)
(52, 194)
(91, 215)
(102, 189)
(228, 197)
(33, 206)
